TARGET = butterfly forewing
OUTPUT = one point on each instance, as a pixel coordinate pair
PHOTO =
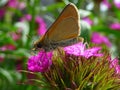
(63, 32)
(65, 27)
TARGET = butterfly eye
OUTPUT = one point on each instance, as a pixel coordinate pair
(39, 45)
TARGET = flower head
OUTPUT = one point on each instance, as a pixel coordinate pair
(27, 17)
(1, 58)
(117, 3)
(2, 12)
(12, 3)
(106, 3)
(41, 62)
(41, 25)
(16, 35)
(19, 64)
(7, 47)
(100, 39)
(88, 20)
(115, 26)
(115, 64)
(73, 64)
(79, 49)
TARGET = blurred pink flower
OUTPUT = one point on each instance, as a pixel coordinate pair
(106, 3)
(115, 64)
(2, 12)
(79, 49)
(117, 3)
(1, 59)
(97, 38)
(41, 62)
(115, 26)
(19, 65)
(88, 20)
(7, 47)
(16, 35)
(41, 25)
(16, 4)
(12, 3)
(27, 17)
(22, 5)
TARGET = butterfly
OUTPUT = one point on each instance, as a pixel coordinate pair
(63, 32)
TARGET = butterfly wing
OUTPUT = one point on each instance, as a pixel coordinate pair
(67, 26)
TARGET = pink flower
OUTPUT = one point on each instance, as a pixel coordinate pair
(115, 64)
(106, 3)
(115, 26)
(117, 3)
(22, 5)
(7, 47)
(79, 49)
(100, 39)
(1, 59)
(88, 20)
(12, 3)
(27, 17)
(19, 65)
(41, 25)
(41, 62)
(16, 35)
(16, 4)
(2, 12)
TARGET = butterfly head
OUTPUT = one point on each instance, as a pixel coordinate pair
(37, 45)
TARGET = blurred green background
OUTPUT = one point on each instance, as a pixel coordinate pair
(23, 21)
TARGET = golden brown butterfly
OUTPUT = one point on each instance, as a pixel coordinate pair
(63, 32)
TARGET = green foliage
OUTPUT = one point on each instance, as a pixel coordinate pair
(11, 23)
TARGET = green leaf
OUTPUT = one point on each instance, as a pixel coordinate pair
(7, 27)
(54, 7)
(21, 52)
(106, 30)
(4, 73)
(5, 39)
